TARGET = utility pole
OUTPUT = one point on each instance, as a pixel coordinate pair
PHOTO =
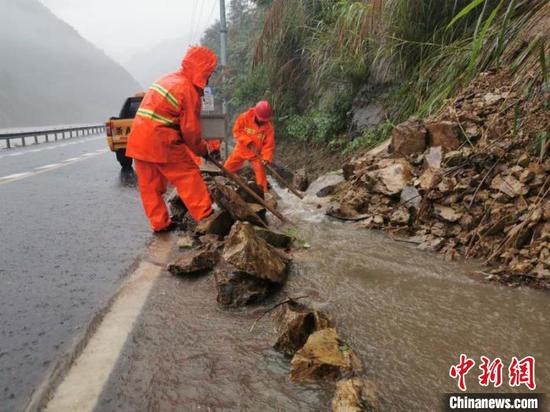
(223, 52)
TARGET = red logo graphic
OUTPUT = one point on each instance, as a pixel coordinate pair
(520, 372)
(461, 370)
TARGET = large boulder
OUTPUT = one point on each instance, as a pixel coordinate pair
(326, 185)
(355, 395)
(445, 134)
(219, 223)
(324, 356)
(237, 289)
(295, 323)
(409, 138)
(195, 261)
(249, 253)
(227, 198)
(247, 197)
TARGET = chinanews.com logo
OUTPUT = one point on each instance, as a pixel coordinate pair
(496, 373)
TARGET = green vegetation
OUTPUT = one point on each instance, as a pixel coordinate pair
(311, 58)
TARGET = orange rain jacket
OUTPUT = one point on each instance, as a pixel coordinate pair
(169, 115)
(246, 131)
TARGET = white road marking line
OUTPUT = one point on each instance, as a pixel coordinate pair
(42, 169)
(16, 176)
(51, 147)
(48, 166)
(84, 383)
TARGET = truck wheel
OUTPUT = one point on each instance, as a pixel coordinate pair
(125, 162)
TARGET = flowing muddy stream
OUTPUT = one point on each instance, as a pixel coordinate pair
(409, 314)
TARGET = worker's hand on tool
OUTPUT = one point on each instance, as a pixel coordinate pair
(265, 162)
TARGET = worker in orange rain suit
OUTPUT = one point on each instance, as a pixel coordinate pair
(167, 125)
(254, 134)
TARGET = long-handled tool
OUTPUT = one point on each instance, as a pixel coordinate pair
(252, 193)
(278, 176)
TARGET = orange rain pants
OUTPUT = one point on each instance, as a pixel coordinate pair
(236, 162)
(262, 138)
(185, 177)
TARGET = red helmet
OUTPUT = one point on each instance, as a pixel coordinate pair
(264, 112)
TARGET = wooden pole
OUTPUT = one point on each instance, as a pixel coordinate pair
(252, 193)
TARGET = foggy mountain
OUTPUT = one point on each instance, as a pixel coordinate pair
(148, 65)
(50, 75)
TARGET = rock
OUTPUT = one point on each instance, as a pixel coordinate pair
(429, 179)
(295, 323)
(271, 200)
(391, 180)
(447, 213)
(251, 254)
(433, 158)
(327, 191)
(185, 242)
(409, 137)
(219, 223)
(237, 289)
(400, 217)
(247, 197)
(410, 197)
(354, 202)
(227, 198)
(178, 210)
(195, 261)
(322, 182)
(259, 210)
(509, 185)
(301, 180)
(355, 395)
(325, 356)
(276, 239)
(445, 134)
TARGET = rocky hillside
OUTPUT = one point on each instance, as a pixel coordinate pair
(49, 74)
(472, 182)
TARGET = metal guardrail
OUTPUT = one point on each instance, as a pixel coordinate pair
(65, 132)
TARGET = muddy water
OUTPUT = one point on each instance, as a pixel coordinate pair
(409, 314)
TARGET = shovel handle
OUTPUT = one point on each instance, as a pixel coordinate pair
(279, 177)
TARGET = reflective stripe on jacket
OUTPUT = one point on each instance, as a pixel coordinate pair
(169, 115)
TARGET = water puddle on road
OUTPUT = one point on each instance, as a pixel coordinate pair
(409, 314)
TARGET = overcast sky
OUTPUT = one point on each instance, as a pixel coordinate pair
(124, 27)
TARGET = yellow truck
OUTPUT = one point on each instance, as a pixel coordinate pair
(118, 128)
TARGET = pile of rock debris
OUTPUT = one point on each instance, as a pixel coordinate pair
(249, 262)
(473, 182)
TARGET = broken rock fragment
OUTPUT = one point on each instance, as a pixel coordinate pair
(445, 134)
(227, 198)
(295, 323)
(409, 137)
(219, 223)
(301, 180)
(324, 356)
(276, 239)
(195, 261)
(237, 289)
(355, 395)
(251, 254)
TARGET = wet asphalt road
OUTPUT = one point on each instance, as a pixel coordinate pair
(70, 229)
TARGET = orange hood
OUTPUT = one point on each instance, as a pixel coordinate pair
(198, 65)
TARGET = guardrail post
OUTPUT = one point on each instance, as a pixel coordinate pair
(35, 139)
(8, 143)
(55, 136)
(23, 141)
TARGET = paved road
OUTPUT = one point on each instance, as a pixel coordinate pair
(70, 229)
